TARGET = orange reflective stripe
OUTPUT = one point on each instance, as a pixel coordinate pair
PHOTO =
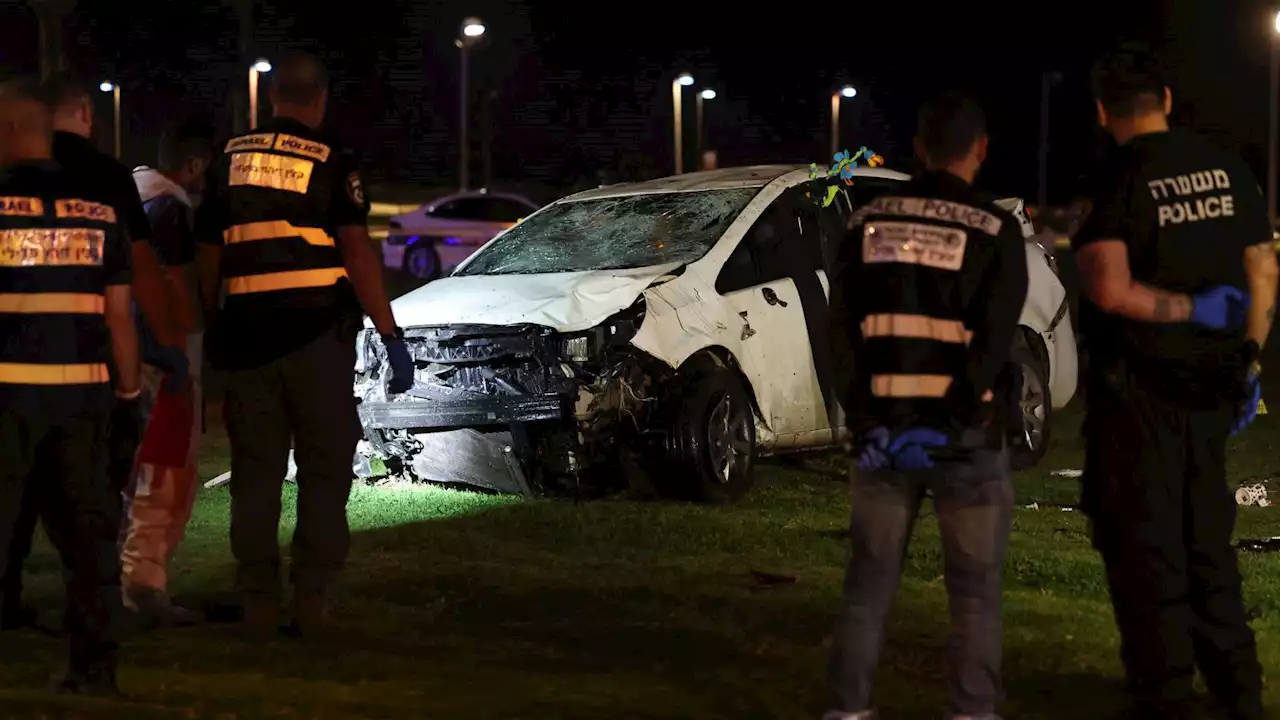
(284, 280)
(915, 326)
(83, 303)
(276, 230)
(910, 386)
(39, 374)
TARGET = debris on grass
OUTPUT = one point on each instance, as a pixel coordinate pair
(1269, 545)
(1068, 473)
(290, 474)
(1253, 495)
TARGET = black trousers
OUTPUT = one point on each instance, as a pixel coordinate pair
(304, 399)
(122, 446)
(62, 465)
(1156, 491)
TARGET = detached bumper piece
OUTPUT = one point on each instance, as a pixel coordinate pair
(478, 412)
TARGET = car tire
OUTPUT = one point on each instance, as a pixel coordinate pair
(1030, 441)
(422, 261)
(713, 439)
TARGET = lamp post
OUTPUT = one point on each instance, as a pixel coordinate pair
(707, 94)
(114, 89)
(682, 81)
(849, 92)
(259, 67)
(1272, 130)
(471, 31)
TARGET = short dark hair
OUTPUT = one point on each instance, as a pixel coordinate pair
(1129, 81)
(63, 89)
(949, 126)
(300, 77)
(186, 139)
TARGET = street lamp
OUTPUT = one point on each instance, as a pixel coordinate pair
(850, 92)
(707, 94)
(472, 30)
(682, 81)
(1272, 135)
(114, 89)
(259, 67)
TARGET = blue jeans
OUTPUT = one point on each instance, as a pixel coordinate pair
(973, 500)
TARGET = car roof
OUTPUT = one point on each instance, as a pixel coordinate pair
(478, 194)
(753, 176)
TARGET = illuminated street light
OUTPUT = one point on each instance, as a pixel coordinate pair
(707, 94)
(114, 89)
(682, 81)
(849, 92)
(259, 66)
(471, 31)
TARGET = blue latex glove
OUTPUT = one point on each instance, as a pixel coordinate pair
(401, 364)
(873, 456)
(1249, 411)
(173, 361)
(910, 449)
(1219, 308)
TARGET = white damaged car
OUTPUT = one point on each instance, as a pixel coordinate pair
(666, 332)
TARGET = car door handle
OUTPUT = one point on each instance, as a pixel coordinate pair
(772, 298)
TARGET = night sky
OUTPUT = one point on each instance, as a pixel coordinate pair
(579, 87)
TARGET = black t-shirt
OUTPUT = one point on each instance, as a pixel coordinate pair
(261, 330)
(106, 178)
(1186, 211)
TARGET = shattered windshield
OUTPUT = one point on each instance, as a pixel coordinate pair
(613, 233)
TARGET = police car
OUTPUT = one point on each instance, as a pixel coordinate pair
(434, 238)
(662, 325)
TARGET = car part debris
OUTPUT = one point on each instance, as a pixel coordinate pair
(1068, 473)
(1253, 495)
(290, 475)
(1269, 545)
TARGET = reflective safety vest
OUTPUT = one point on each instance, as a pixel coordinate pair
(279, 249)
(58, 251)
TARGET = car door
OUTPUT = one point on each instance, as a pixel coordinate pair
(771, 281)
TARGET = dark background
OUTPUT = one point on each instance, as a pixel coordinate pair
(580, 87)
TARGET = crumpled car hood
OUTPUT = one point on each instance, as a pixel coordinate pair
(567, 302)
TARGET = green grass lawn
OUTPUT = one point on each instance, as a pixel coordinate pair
(459, 605)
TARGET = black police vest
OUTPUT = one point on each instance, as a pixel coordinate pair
(278, 250)
(918, 258)
(52, 291)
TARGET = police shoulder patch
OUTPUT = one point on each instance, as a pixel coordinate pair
(355, 189)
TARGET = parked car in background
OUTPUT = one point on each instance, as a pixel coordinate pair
(668, 326)
(428, 242)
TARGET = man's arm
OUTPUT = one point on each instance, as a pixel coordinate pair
(171, 234)
(124, 339)
(148, 281)
(350, 214)
(1107, 280)
(846, 333)
(211, 220)
(998, 305)
(1263, 273)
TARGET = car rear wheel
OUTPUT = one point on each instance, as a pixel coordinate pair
(422, 261)
(714, 439)
(1030, 441)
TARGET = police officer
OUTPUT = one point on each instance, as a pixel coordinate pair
(1177, 235)
(924, 309)
(64, 281)
(283, 235)
(108, 182)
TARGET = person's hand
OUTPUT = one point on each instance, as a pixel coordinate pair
(1219, 308)
(910, 449)
(401, 363)
(874, 444)
(177, 369)
(125, 429)
(1247, 411)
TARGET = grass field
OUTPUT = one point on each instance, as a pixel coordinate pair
(459, 605)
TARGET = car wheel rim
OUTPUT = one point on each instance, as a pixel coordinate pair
(729, 438)
(420, 263)
(1032, 403)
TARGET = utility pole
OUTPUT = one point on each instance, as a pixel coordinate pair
(49, 15)
(238, 98)
(486, 138)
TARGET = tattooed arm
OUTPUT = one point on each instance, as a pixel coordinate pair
(1107, 280)
(1263, 273)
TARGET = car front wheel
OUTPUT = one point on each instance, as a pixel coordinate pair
(422, 261)
(714, 439)
(1030, 441)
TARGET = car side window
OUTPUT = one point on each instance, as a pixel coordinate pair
(504, 210)
(448, 211)
(784, 239)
